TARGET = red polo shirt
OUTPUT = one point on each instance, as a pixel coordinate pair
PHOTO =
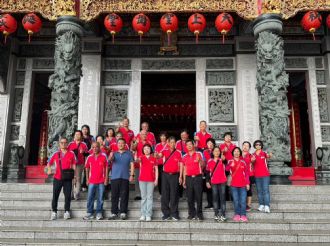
(67, 161)
(150, 137)
(139, 147)
(260, 165)
(191, 163)
(228, 153)
(104, 150)
(114, 147)
(239, 172)
(97, 168)
(160, 147)
(181, 146)
(172, 164)
(147, 169)
(82, 148)
(128, 135)
(247, 158)
(219, 175)
(203, 136)
(108, 142)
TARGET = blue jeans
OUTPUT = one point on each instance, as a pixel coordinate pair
(239, 199)
(219, 199)
(263, 190)
(92, 189)
(147, 192)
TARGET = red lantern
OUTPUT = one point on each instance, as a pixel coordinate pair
(113, 23)
(311, 21)
(196, 24)
(141, 24)
(328, 21)
(169, 23)
(223, 23)
(8, 25)
(31, 23)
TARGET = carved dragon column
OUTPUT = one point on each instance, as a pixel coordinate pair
(272, 83)
(64, 83)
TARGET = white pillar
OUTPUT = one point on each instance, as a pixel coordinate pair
(247, 98)
(201, 106)
(134, 96)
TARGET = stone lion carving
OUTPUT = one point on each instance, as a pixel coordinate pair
(64, 84)
(272, 82)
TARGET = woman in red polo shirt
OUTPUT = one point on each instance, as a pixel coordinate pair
(148, 179)
(239, 184)
(217, 181)
(159, 148)
(249, 159)
(208, 154)
(110, 137)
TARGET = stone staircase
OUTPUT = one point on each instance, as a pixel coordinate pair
(300, 214)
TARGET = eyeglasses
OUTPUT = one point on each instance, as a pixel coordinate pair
(258, 144)
(63, 142)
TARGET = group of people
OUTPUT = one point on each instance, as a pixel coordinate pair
(196, 165)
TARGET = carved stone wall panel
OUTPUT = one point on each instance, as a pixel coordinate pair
(220, 64)
(17, 110)
(89, 46)
(320, 77)
(326, 156)
(43, 64)
(21, 63)
(295, 63)
(109, 64)
(323, 104)
(221, 105)
(325, 131)
(218, 132)
(14, 132)
(168, 64)
(13, 158)
(319, 63)
(116, 78)
(220, 78)
(20, 78)
(115, 105)
(300, 49)
(40, 50)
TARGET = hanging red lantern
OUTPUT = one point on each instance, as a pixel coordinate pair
(8, 25)
(196, 24)
(113, 23)
(32, 24)
(141, 24)
(328, 21)
(311, 21)
(223, 23)
(169, 23)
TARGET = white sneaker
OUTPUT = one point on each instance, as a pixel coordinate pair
(67, 215)
(99, 216)
(142, 218)
(148, 218)
(53, 216)
(261, 208)
(123, 216)
(267, 209)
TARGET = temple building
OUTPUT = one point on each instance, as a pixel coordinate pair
(267, 78)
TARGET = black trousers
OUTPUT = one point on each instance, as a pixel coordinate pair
(170, 194)
(208, 193)
(119, 189)
(160, 177)
(67, 189)
(195, 193)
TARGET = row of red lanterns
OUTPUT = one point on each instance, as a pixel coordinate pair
(169, 23)
(8, 24)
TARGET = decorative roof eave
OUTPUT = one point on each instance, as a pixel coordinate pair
(91, 9)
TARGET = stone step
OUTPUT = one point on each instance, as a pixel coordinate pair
(135, 213)
(135, 224)
(192, 234)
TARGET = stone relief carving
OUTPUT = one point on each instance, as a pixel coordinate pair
(43, 64)
(116, 78)
(13, 157)
(115, 105)
(116, 64)
(320, 77)
(326, 157)
(40, 50)
(64, 84)
(272, 82)
(220, 78)
(296, 63)
(221, 105)
(20, 78)
(323, 104)
(319, 62)
(21, 64)
(167, 64)
(325, 131)
(220, 64)
(218, 131)
(17, 110)
(14, 132)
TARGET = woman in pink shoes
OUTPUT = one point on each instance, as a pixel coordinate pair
(239, 184)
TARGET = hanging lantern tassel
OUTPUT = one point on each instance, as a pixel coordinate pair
(140, 34)
(312, 30)
(30, 33)
(169, 33)
(5, 34)
(197, 35)
(113, 36)
(223, 32)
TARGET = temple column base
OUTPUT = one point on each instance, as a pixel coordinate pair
(279, 168)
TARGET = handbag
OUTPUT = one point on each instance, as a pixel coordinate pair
(67, 174)
(168, 157)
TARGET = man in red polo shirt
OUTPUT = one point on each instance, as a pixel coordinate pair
(81, 150)
(202, 136)
(150, 136)
(96, 179)
(114, 146)
(181, 144)
(128, 134)
(193, 180)
(171, 178)
(63, 159)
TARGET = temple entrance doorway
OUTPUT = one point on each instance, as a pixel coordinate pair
(168, 102)
(299, 120)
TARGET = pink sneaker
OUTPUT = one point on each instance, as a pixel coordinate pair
(244, 218)
(236, 218)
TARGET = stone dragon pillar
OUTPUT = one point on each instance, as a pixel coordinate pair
(64, 83)
(272, 83)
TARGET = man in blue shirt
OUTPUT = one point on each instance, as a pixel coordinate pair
(121, 174)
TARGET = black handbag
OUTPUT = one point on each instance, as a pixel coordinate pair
(67, 174)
